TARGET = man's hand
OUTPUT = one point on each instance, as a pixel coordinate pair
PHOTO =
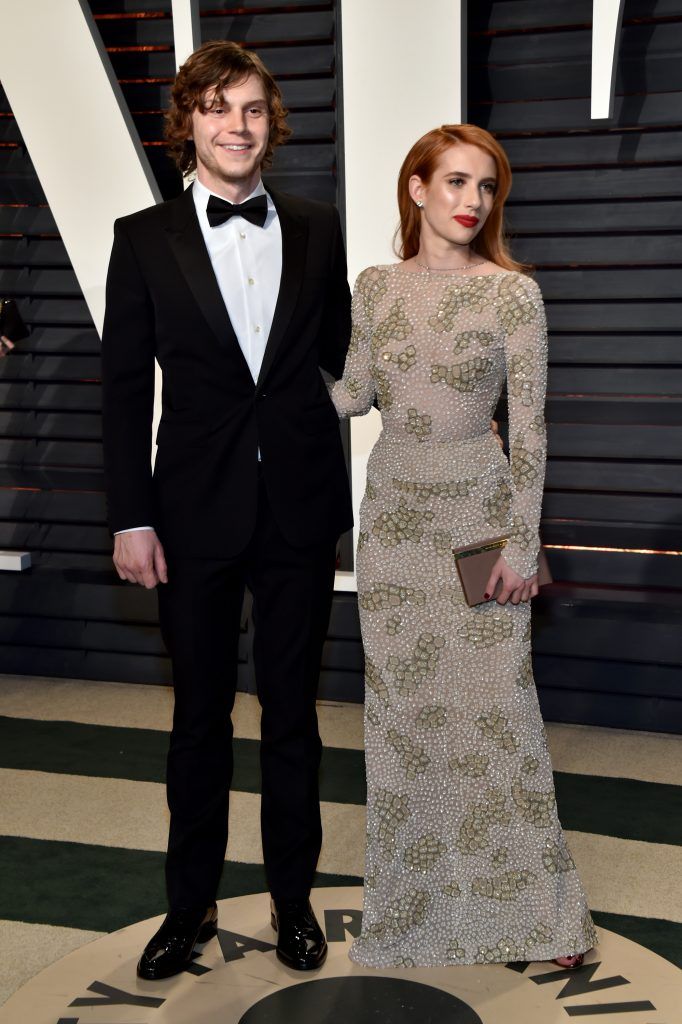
(139, 558)
(494, 426)
(514, 587)
(6, 346)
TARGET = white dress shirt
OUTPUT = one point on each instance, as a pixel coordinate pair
(247, 262)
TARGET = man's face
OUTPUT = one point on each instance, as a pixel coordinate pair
(230, 134)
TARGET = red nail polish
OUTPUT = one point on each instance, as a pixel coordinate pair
(486, 596)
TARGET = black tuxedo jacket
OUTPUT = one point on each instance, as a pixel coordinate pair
(163, 301)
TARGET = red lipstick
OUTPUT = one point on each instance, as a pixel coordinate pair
(466, 222)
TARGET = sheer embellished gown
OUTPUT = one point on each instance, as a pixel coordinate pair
(466, 861)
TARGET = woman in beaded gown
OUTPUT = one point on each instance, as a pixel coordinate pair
(466, 861)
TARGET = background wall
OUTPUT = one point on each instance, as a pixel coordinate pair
(384, 110)
(596, 207)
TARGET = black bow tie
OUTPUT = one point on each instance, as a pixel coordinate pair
(254, 210)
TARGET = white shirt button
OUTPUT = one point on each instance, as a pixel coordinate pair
(257, 328)
(251, 281)
(242, 234)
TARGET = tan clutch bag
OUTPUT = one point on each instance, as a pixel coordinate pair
(475, 563)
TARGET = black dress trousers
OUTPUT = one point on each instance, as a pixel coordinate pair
(200, 609)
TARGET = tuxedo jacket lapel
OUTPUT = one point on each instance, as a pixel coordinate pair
(294, 244)
(187, 243)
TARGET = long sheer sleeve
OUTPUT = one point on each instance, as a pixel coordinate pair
(353, 395)
(522, 317)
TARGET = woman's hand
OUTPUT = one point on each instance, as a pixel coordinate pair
(5, 346)
(514, 587)
(494, 426)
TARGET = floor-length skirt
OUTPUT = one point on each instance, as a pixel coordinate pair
(466, 861)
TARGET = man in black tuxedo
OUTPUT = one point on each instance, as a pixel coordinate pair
(241, 295)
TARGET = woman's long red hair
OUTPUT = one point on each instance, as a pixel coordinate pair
(491, 242)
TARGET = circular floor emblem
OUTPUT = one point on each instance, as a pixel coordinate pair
(362, 1001)
(237, 979)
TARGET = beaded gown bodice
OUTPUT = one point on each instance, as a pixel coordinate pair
(435, 351)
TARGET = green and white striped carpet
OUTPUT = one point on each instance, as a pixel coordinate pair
(83, 816)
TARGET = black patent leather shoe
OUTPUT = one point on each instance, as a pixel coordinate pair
(301, 944)
(170, 950)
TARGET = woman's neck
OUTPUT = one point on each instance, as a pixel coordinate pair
(444, 255)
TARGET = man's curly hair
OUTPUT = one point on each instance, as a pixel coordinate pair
(210, 69)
